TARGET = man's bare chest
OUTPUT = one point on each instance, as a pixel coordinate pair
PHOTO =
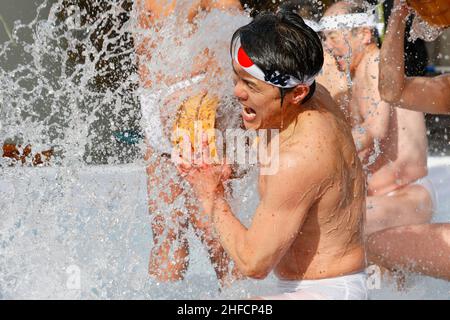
(361, 100)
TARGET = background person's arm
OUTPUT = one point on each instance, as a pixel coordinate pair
(431, 95)
(392, 60)
(338, 85)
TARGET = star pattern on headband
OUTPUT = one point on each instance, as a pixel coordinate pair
(276, 78)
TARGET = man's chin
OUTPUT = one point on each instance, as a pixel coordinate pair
(342, 66)
(340, 63)
(249, 125)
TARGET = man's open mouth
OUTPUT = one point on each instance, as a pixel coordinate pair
(338, 58)
(341, 61)
(249, 110)
(248, 114)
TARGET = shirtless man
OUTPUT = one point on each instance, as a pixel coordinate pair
(330, 77)
(423, 248)
(392, 142)
(308, 225)
(339, 85)
(170, 251)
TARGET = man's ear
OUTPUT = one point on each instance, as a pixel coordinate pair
(299, 93)
(366, 36)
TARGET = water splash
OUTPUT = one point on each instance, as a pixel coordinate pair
(73, 229)
(420, 29)
(57, 79)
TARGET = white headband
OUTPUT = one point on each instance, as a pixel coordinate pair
(349, 21)
(312, 24)
(274, 78)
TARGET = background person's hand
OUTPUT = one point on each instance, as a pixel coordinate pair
(401, 8)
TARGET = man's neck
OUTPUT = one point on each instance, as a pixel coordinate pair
(291, 120)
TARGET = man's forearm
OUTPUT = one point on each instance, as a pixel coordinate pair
(230, 230)
(392, 62)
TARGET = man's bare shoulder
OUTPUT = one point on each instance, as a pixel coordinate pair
(323, 100)
(300, 172)
(316, 125)
(310, 155)
(324, 115)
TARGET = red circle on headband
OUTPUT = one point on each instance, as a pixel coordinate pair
(243, 59)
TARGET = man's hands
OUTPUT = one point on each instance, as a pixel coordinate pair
(204, 175)
(401, 8)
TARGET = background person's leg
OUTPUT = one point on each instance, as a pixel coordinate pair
(411, 204)
(423, 249)
(169, 257)
(170, 251)
(219, 258)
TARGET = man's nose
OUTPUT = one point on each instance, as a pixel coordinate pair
(327, 45)
(239, 91)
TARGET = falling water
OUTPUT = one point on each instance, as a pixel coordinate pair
(77, 224)
(422, 30)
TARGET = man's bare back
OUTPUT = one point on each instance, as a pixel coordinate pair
(329, 242)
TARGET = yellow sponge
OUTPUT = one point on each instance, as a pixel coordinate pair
(200, 111)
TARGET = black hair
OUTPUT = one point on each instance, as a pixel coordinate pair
(259, 6)
(307, 9)
(281, 43)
